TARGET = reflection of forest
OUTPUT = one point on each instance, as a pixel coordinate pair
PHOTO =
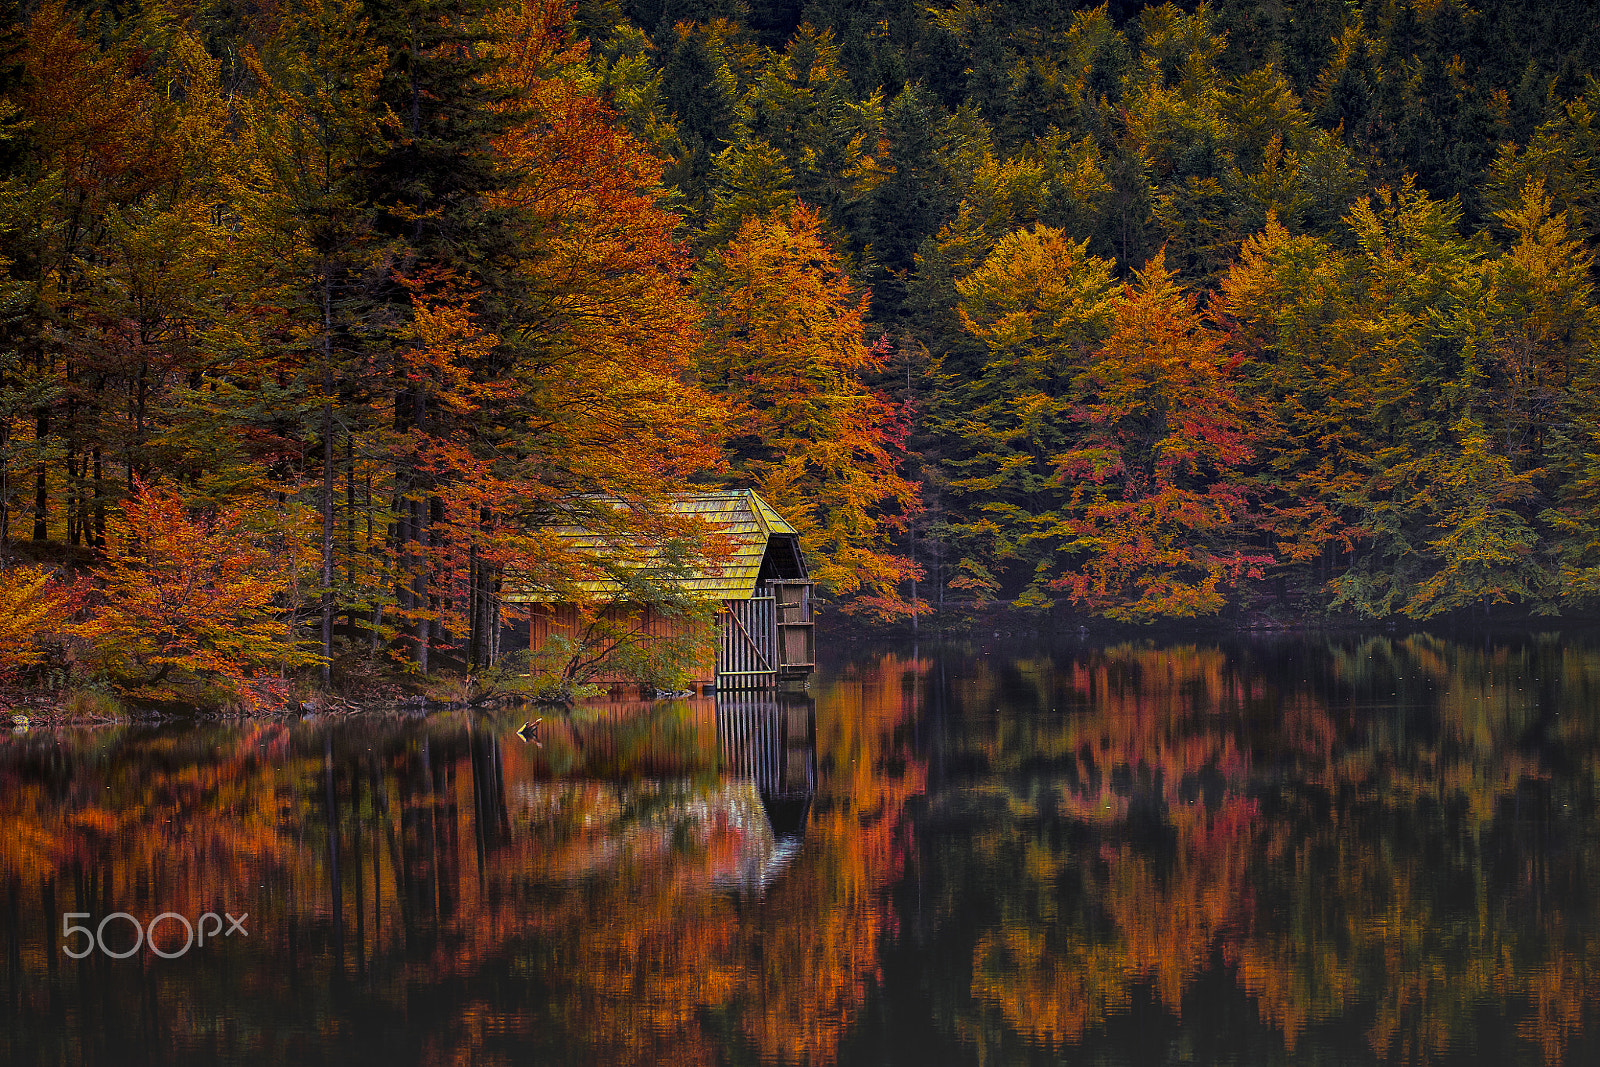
(438, 889)
(1315, 852)
(1386, 847)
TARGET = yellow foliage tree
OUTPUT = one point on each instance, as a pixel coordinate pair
(35, 606)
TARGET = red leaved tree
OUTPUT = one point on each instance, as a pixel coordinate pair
(1159, 504)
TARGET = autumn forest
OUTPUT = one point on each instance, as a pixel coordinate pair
(320, 318)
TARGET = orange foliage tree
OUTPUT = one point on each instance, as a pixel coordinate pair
(788, 351)
(210, 596)
(601, 351)
(560, 377)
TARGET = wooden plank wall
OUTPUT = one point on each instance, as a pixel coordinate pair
(796, 631)
(547, 619)
(752, 648)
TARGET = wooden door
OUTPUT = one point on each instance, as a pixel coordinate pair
(747, 644)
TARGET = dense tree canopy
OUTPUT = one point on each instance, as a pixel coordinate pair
(1131, 310)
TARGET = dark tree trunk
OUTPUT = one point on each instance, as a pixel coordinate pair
(350, 529)
(40, 497)
(99, 500)
(419, 581)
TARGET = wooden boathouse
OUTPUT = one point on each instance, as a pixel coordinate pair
(765, 620)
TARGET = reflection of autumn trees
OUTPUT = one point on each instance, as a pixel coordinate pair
(443, 889)
(1124, 744)
(1379, 850)
(672, 968)
(343, 845)
(1463, 848)
(818, 940)
(1363, 833)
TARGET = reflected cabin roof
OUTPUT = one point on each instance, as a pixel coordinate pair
(748, 523)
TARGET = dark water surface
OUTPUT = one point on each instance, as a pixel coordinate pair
(1303, 851)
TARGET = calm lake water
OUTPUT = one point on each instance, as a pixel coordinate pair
(1318, 851)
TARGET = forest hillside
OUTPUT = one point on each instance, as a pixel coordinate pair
(319, 317)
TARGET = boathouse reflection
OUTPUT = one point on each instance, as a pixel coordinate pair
(736, 768)
(770, 739)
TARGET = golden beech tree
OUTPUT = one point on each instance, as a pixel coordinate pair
(207, 596)
(566, 377)
(1041, 305)
(1290, 306)
(37, 608)
(788, 351)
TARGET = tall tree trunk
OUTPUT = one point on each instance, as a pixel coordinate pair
(77, 503)
(327, 479)
(401, 550)
(40, 492)
(350, 529)
(412, 585)
(496, 623)
(5, 485)
(419, 588)
(141, 397)
(382, 563)
(474, 629)
(327, 540)
(911, 534)
(77, 467)
(70, 467)
(99, 500)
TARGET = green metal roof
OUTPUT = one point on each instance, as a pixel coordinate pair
(746, 523)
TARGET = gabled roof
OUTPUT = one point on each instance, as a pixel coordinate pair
(746, 523)
(749, 523)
